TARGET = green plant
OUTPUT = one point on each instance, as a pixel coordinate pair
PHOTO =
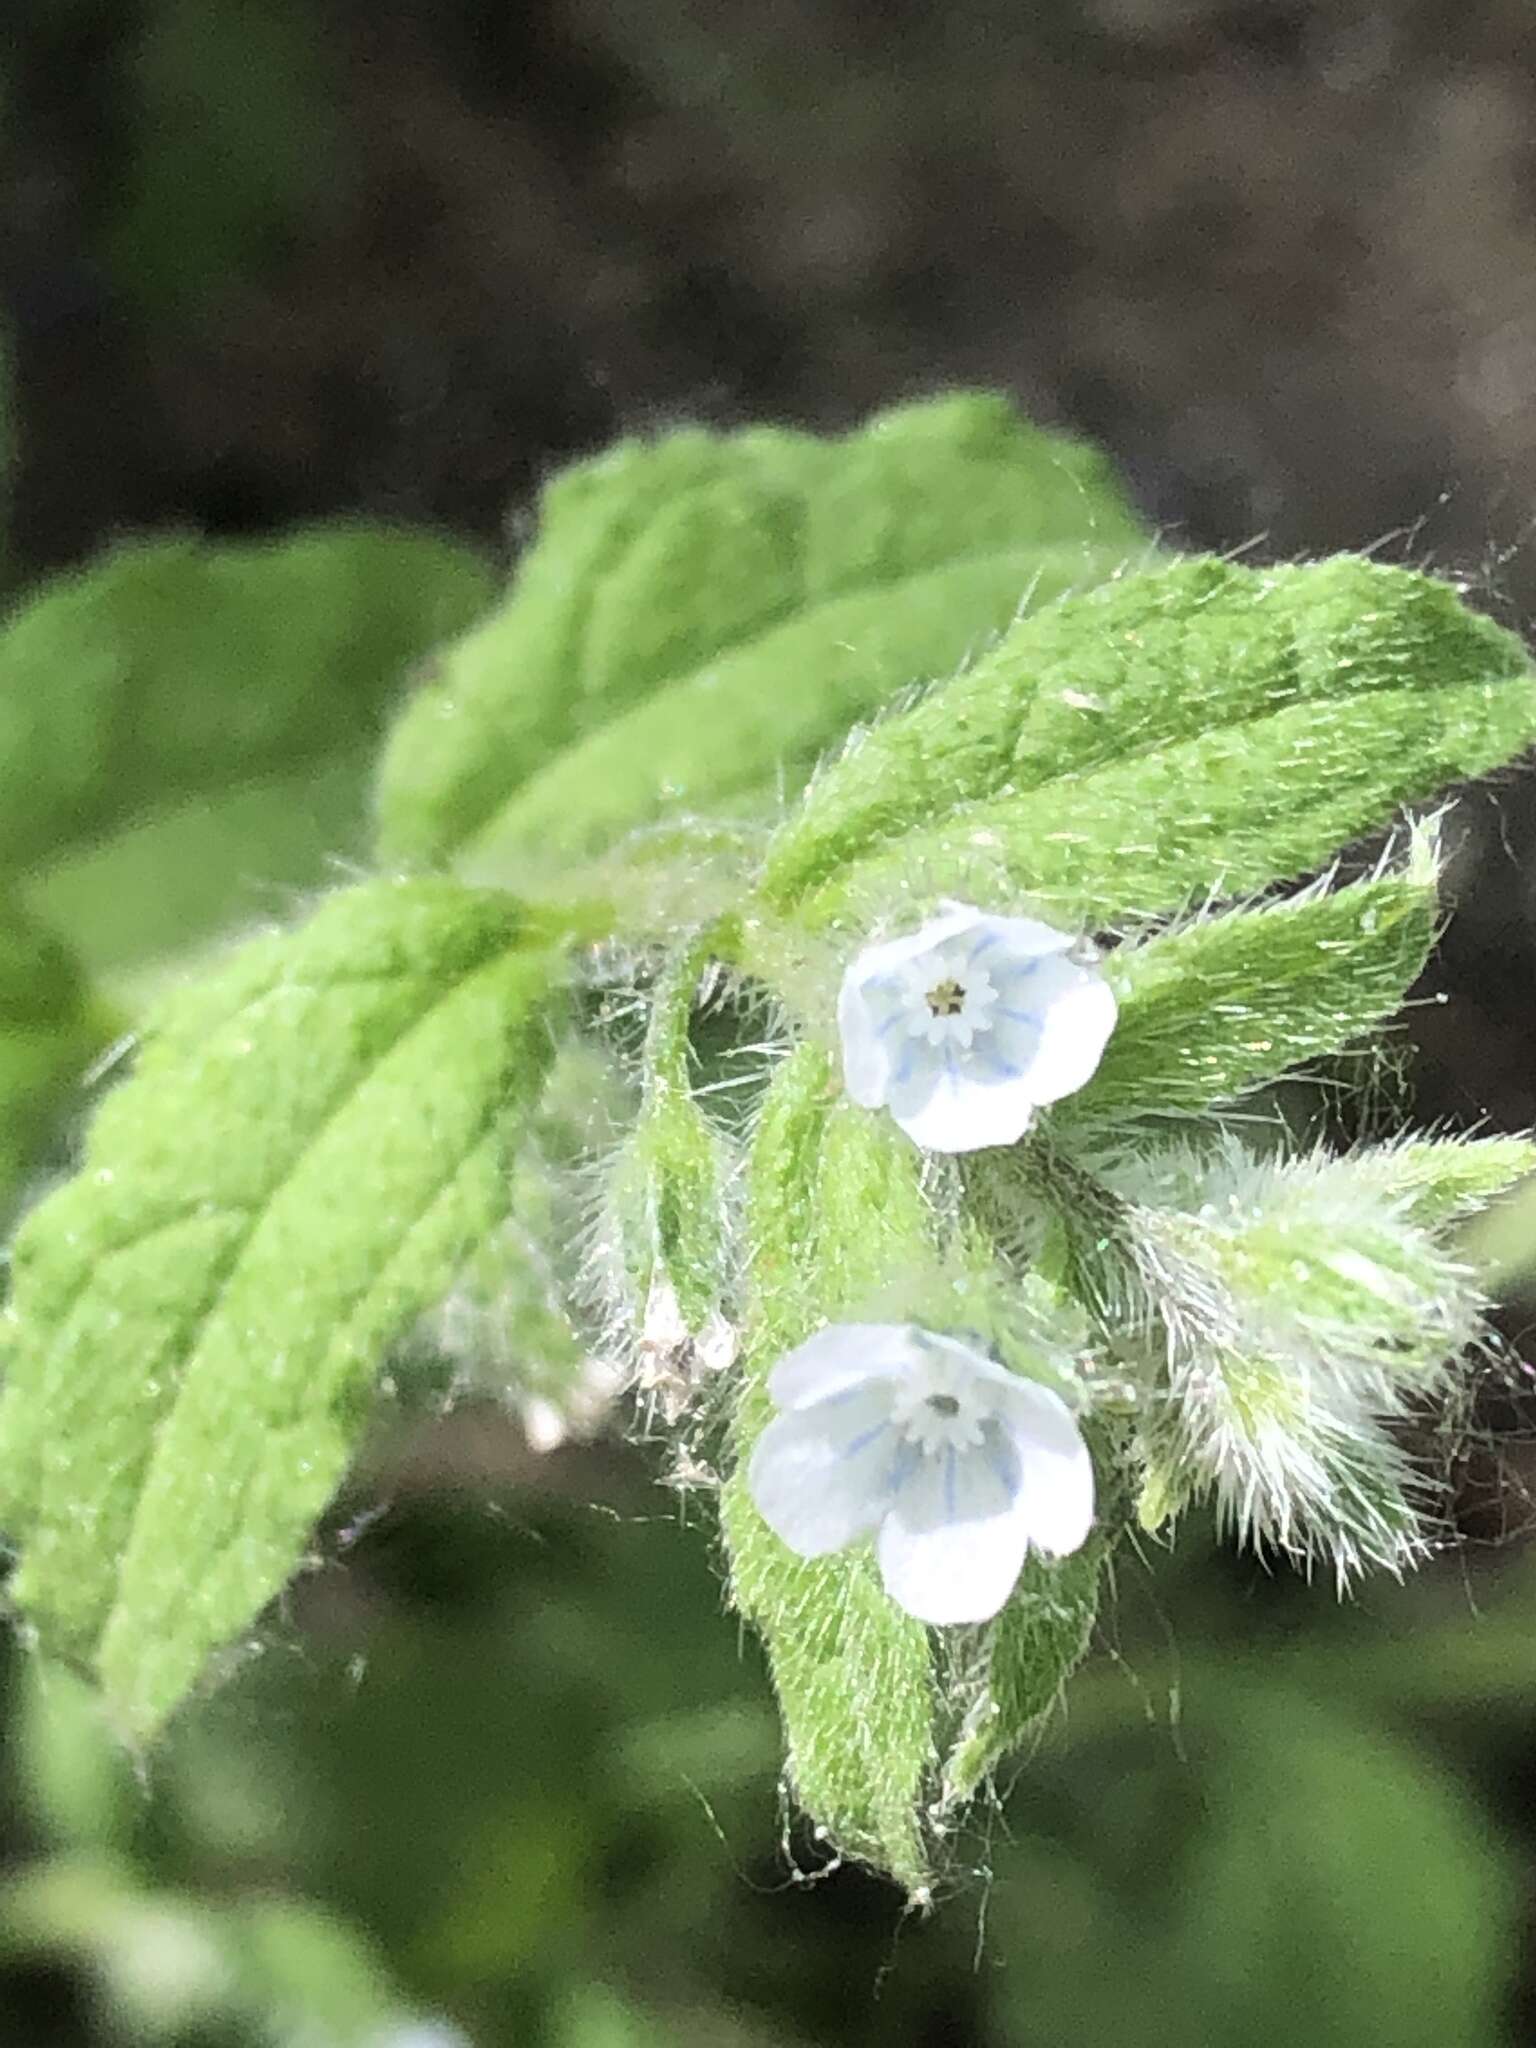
(714, 816)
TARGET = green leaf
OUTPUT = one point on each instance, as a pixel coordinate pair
(753, 721)
(139, 906)
(1194, 730)
(726, 605)
(171, 1965)
(78, 1780)
(313, 1140)
(51, 1029)
(1216, 1009)
(300, 1972)
(1222, 815)
(157, 1959)
(1031, 1650)
(148, 701)
(835, 1212)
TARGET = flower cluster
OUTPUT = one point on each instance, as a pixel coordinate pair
(1287, 1315)
(956, 1465)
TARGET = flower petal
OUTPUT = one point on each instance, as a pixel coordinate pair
(869, 1027)
(1074, 1009)
(1035, 1411)
(840, 1357)
(954, 1541)
(1056, 1499)
(963, 1105)
(873, 963)
(823, 1476)
(967, 1351)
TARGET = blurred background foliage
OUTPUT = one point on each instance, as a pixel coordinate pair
(501, 1760)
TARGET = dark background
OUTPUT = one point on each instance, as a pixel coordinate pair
(264, 260)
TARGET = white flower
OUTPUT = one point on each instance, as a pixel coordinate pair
(965, 1028)
(957, 1463)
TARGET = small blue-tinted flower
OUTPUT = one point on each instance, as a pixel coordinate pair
(966, 1027)
(955, 1465)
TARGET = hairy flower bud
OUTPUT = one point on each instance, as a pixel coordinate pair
(1303, 1311)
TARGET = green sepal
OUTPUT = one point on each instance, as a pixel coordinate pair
(668, 1187)
(669, 1195)
(1441, 1181)
(1300, 1309)
(314, 1138)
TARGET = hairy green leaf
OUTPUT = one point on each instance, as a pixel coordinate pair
(762, 712)
(1230, 812)
(313, 1140)
(727, 604)
(169, 673)
(835, 1210)
(1192, 729)
(1215, 1009)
